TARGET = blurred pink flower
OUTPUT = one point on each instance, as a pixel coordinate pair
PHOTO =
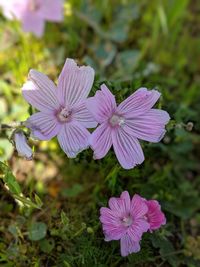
(125, 220)
(33, 13)
(21, 145)
(62, 110)
(155, 216)
(122, 126)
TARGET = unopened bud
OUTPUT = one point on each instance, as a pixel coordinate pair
(21, 145)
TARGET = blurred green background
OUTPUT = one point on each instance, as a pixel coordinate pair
(154, 44)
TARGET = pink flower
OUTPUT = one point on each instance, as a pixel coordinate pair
(21, 145)
(33, 13)
(155, 216)
(62, 110)
(122, 126)
(125, 220)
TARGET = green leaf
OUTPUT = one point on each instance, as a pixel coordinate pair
(166, 248)
(47, 245)
(37, 231)
(10, 180)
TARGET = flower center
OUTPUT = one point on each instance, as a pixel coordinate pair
(64, 115)
(33, 5)
(127, 221)
(116, 120)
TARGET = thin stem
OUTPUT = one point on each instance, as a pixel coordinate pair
(12, 125)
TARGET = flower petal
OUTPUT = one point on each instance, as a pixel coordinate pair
(126, 197)
(43, 126)
(136, 230)
(40, 92)
(102, 105)
(74, 83)
(81, 114)
(73, 138)
(112, 227)
(120, 205)
(52, 10)
(100, 141)
(127, 149)
(128, 246)
(149, 126)
(31, 22)
(138, 103)
(138, 207)
(155, 216)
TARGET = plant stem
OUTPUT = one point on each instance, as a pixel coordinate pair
(12, 125)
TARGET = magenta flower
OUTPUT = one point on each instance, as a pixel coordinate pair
(125, 220)
(33, 13)
(155, 216)
(62, 110)
(122, 126)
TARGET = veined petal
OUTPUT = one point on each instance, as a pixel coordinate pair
(127, 149)
(73, 138)
(112, 227)
(43, 126)
(120, 205)
(136, 230)
(102, 105)
(138, 103)
(127, 202)
(138, 207)
(149, 126)
(101, 141)
(40, 92)
(128, 245)
(155, 216)
(74, 83)
(109, 217)
(81, 114)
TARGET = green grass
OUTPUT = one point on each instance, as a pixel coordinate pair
(130, 44)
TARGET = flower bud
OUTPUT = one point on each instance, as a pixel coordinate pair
(21, 145)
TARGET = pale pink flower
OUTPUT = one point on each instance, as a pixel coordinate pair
(122, 126)
(155, 216)
(125, 220)
(63, 112)
(21, 145)
(33, 13)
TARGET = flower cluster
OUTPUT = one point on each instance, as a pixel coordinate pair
(33, 13)
(127, 219)
(66, 112)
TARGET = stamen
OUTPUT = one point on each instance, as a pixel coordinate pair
(127, 221)
(117, 120)
(64, 115)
